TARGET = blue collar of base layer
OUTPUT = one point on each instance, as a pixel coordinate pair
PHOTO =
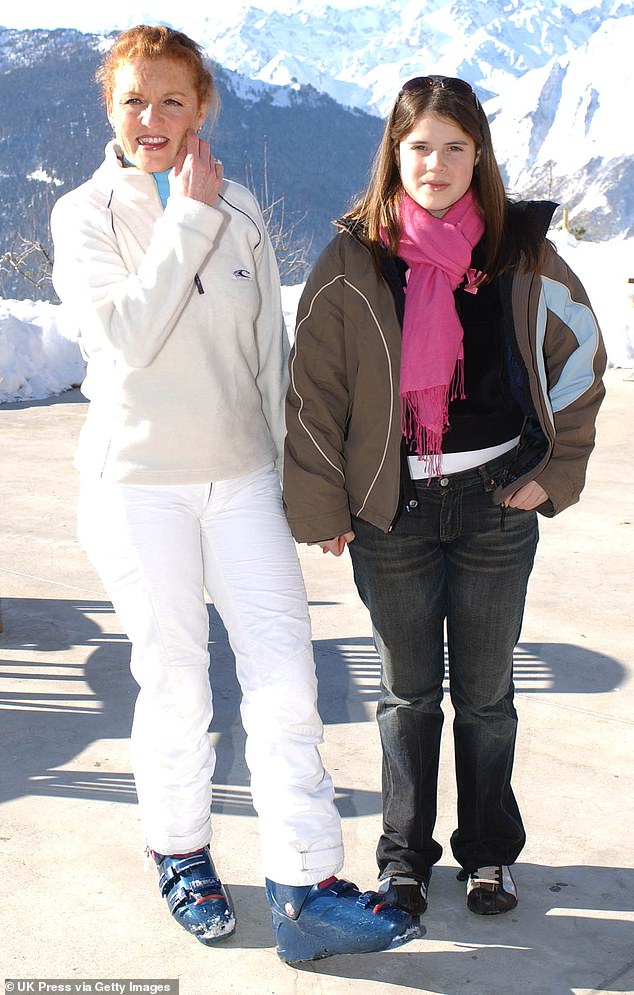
(163, 184)
(161, 179)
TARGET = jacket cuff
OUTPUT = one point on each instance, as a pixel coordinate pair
(318, 528)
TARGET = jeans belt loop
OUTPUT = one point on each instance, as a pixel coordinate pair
(488, 481)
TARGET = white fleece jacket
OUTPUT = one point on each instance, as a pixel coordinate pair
(185, 386)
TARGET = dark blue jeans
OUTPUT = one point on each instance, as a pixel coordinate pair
(458, 558)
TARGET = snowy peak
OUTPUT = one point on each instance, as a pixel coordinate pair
(361, 55)
(551, 76)
(562, 132)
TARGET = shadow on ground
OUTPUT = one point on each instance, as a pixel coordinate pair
(53, 707)
(571, 931)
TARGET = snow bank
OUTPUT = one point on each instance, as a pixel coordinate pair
(39, 355)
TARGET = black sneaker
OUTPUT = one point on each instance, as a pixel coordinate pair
(195, 896)
(406, 893)
(490, 890)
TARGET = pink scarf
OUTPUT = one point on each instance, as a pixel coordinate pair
(438, 252)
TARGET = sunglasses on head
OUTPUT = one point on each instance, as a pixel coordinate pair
(452, 83)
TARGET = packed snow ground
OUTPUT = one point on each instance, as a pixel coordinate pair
(39, 354)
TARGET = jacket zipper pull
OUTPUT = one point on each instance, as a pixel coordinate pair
(199, 285)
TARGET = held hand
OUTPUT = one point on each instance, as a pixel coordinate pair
(528, 497)
(337, 545)
(196, 173)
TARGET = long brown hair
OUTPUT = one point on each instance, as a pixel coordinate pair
(157, 41)
(376, 210)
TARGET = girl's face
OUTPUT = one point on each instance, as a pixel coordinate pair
(436, 162)
(152, 106)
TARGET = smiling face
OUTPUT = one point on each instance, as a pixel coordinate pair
(152, 106)
(436, 162)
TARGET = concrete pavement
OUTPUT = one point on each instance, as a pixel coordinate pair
(76, 902)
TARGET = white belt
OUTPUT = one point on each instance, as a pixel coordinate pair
(456, 462)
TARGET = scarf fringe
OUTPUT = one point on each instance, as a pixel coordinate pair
(425, 418)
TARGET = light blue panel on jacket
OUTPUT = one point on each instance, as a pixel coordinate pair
(578, 373)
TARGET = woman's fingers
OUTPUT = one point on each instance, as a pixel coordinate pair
(196, 173)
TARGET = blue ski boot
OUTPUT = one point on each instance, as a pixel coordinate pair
(195, 896)
(334, 917)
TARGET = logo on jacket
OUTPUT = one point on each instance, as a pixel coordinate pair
(241, 274)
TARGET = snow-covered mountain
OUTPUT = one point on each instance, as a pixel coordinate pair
(359, 55)
(567, 129)
(554, 78)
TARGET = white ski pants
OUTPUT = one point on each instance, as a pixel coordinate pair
(157, 548)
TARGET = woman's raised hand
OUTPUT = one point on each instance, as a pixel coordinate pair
(196, 173)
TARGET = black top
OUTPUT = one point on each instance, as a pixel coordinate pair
(489, 415)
